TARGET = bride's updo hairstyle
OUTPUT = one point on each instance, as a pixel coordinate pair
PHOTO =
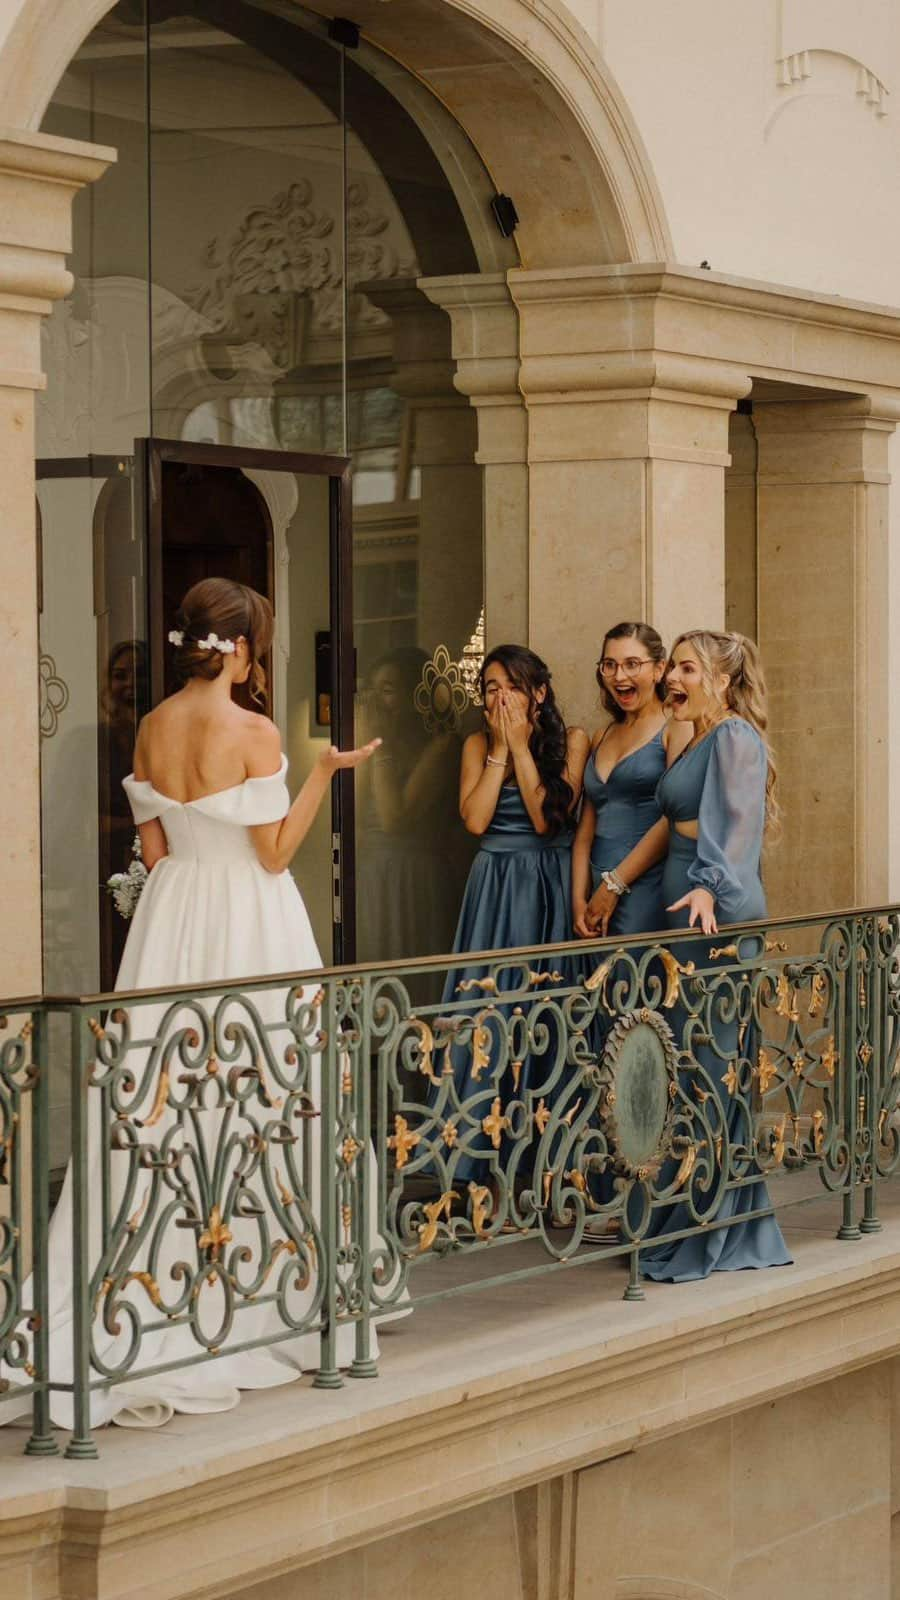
(218, 608)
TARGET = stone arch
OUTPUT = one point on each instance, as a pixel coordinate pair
(521, 83)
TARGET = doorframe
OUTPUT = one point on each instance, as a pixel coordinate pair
(150, 454)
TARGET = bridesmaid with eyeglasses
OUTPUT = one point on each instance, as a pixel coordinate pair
(622, 837)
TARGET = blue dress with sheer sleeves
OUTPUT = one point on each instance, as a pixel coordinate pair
(518, 893)
(721, 785)
(627, 807)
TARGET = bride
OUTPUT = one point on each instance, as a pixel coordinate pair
(218, 831)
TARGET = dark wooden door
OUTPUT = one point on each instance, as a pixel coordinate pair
(214, 524)
(205, 518)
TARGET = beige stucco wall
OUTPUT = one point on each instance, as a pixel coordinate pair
(773, 179)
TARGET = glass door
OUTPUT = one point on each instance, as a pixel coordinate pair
(279, 521)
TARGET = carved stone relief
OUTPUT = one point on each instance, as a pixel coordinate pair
(850, 49)
(278, 279)
(799, 68)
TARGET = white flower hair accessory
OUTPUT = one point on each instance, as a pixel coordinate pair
(213, 642)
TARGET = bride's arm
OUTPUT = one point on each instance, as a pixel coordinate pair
(276, 843)
(153, 839)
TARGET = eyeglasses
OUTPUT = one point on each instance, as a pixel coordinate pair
(631, 666)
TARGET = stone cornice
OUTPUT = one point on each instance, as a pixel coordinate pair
(707, 288)
(360, 1465)
(769, 331)
(39, 176)
(52, 159)
(554, 379)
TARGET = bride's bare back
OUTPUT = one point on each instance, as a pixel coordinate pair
(199, 742)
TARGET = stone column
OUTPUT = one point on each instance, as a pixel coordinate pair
(740, 527)
(824, 620)
(443, 449)
(39, 176)
(485, 349)
(627, 450)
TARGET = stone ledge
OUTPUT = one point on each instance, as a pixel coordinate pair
(209, 1505)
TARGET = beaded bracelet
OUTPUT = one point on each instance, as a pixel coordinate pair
(614, 884)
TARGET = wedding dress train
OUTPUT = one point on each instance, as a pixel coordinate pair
(231, 1158)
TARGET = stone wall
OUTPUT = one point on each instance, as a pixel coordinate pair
(799, 1494)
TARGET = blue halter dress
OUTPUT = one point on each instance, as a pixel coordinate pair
(721, 785)
(627, 807)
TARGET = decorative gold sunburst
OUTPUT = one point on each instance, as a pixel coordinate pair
(441, 696)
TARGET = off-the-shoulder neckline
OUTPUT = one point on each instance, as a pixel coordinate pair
(215, 794)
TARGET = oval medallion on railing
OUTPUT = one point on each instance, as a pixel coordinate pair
(638, 1105)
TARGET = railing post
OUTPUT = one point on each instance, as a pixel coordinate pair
(42, 1442)
(633, 1290)
(875, 1030)
(81, 1446)
(363, 1365)
(328, 1375)
(849, 1228)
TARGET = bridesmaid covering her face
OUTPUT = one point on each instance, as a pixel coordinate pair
(520, 784)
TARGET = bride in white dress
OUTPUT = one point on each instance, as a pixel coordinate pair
(218, 831)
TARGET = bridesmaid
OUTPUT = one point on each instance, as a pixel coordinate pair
(520, 783)
(621, 840)
(719, 798)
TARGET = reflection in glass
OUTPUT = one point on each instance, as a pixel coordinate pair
(249, 273)
(413, 858)
(123, 700)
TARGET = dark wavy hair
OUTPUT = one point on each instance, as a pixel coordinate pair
(548, 743)
(655, 649)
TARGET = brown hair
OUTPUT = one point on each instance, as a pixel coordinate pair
(654, 647)
(737, 658)
(230, 611)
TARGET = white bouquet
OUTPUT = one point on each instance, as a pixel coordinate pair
(125, 887)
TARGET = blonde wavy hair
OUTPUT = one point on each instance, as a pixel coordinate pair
(736, 657)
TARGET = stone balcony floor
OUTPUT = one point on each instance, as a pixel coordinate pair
(497, 1388)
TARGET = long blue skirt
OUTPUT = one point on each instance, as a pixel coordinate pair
(740, 1245)
(518, 893)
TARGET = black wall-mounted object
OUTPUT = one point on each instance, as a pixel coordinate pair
(505, 214)
(344, 32)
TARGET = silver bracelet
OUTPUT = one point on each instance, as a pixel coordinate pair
(491, 761)
(614, 884)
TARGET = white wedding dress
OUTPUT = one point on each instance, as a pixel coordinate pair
(209, 912)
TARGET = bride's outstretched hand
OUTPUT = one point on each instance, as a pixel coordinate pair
(335, 760)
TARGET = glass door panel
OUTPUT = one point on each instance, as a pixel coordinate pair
(417, 525)
(276, 521)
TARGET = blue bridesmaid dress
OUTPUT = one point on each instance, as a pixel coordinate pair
(627, 807)
(518, 893)
(721, 785)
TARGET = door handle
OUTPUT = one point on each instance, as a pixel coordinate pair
(336, 877)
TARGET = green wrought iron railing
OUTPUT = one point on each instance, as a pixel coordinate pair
(270, 1163)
